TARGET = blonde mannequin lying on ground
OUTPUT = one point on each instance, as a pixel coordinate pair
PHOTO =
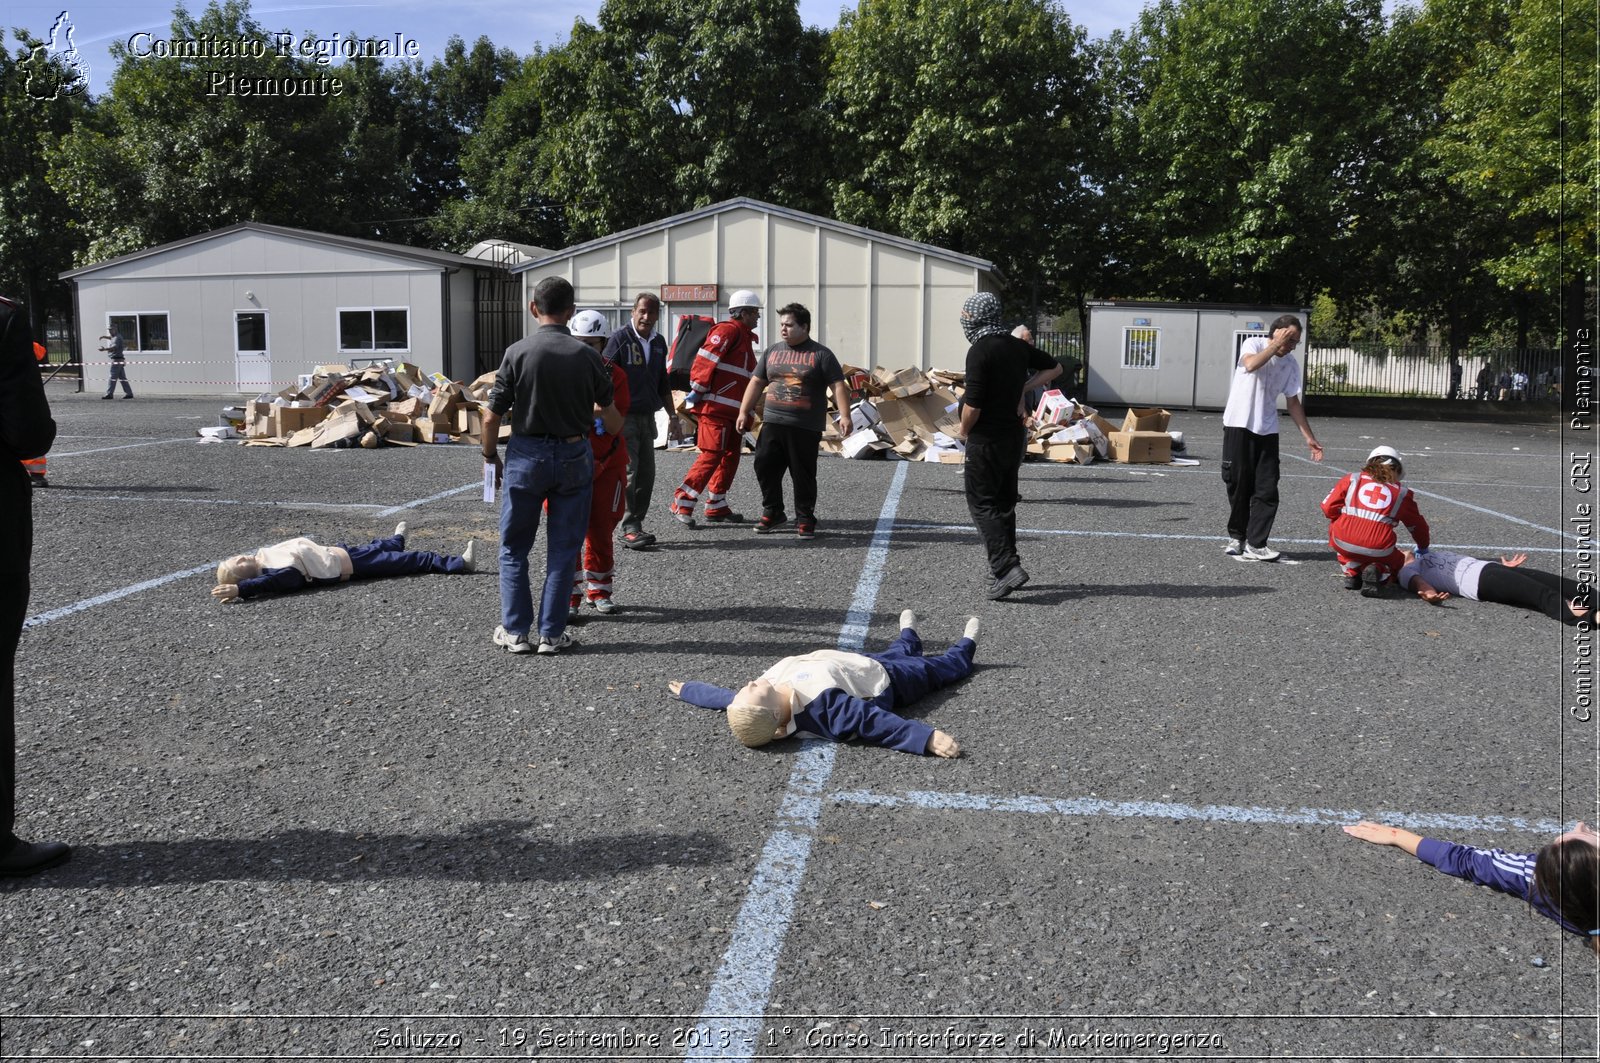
(293, 565)
(840, 695)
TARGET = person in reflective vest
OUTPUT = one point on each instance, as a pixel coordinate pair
(1364, 507)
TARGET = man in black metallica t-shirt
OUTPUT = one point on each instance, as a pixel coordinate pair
(796, 373)
(1000, 369)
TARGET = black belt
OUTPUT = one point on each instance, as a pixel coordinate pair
(558, 439)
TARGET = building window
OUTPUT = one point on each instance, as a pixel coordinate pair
(141, 332)
(1238, 342)
(1140, 348)
(375, 329)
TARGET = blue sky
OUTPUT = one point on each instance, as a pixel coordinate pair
(515, 24)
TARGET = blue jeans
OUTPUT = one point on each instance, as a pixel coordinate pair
(913, 676)
(558, 477)
(389, 557)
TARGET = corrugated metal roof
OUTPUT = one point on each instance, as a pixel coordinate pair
(445, 259)
(769, 208)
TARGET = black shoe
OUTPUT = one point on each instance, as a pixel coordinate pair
(638, 540)
(1008, 583)
(725, 517)
(103, 397)
(127, 396)
(38, 481)
(769, 524)
(805, 528)
(28, 858)
(1352, 583)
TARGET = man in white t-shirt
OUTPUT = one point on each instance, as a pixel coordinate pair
(1266, 369)
(1440, 574)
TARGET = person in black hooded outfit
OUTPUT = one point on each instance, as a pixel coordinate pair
(1000, 369)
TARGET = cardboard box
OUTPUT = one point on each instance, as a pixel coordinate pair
(866, 443)
(1141, 448)
(338, 428)
(1146, 419)
(400, 432)
(863, 415)
(1069, 453)
(1053, 408)
(287, 420)
(468, 422)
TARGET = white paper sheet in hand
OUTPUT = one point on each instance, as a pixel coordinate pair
(488, 483)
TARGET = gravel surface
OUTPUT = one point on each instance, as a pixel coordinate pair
(344, 823)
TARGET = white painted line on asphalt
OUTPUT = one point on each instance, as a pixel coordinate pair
(414, 503)
(1457, 483)
(67, 495)
(125, 446)
(1094, 806)
(1469, 505)
(111, 596)
(1219, 540)
(743, 983)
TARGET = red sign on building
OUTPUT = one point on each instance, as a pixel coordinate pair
(688, 293)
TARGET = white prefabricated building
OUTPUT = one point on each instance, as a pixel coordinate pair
(250, 307)
(1176, 355)
(875, 299)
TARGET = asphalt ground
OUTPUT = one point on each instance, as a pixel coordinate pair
(343, 824)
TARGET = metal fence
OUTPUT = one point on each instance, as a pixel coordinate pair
(1066, 348)
(1503, 374)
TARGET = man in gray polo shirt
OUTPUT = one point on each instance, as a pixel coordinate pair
(554, 386)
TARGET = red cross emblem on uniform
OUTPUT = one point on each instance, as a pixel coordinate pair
(1375, 496)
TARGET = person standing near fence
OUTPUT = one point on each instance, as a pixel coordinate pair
(26, 431)
(1266, 369)
(1455, 376)
(119, 366)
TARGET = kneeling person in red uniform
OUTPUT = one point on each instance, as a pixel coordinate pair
(717, 380)
(1364, 507)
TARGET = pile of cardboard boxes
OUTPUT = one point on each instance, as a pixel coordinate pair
(915, 415)
(912, 413)
(391, 403)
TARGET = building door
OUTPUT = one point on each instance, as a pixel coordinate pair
(252, 366)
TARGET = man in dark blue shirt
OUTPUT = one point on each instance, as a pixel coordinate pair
(641, 352)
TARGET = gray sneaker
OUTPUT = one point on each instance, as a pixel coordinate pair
(549, 646)
(1234, 548)
(514, 643)
(1261, 553)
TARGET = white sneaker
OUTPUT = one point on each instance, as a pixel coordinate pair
(1234, 548)
(604, 606)
(400, 529)
(561, 642)
(470, 555)
(908, 618)
(974, 625)
(1261, 553)
(514, 643)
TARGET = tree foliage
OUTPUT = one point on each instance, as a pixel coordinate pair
(38, 234)
(964, 123)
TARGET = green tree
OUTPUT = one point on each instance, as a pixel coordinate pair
(38, 237)
(967, 124)
(1520, 139)
(1236, 146)
(664, 106)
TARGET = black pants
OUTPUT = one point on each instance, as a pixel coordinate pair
(1528, 588)
(13, 609)
(1250, 472)
(990, 473)
(784, 448)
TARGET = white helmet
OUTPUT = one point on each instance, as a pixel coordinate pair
(1388, 453)
(588, 324)
(744, 298)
